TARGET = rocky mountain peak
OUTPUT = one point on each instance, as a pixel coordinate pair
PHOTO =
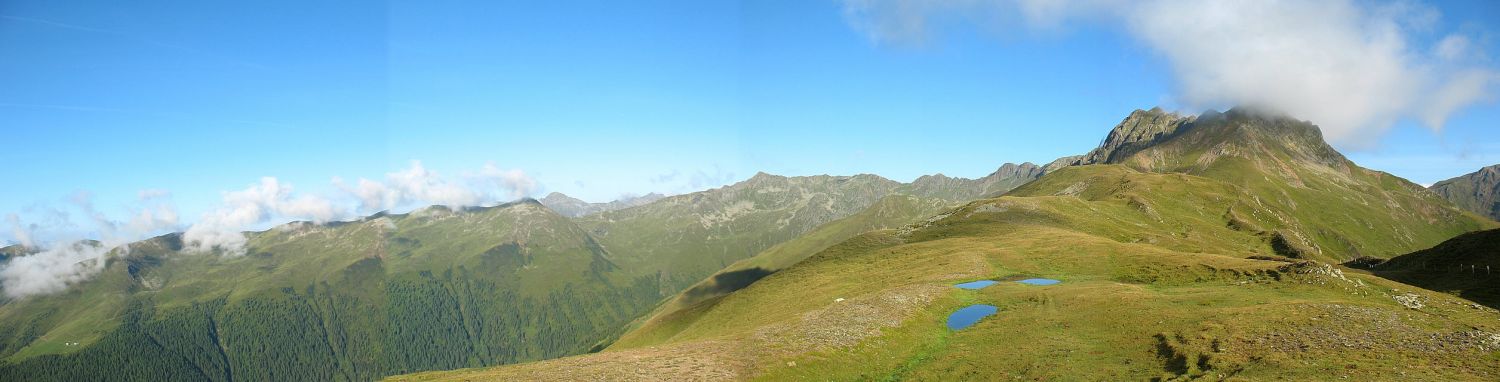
(558, 197)
(932, 178)
(1160, 140)
(1140, 129)
(1011, 170)
(1478, 191)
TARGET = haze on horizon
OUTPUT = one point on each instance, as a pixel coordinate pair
(126, 121)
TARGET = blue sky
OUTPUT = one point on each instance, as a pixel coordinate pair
(591, 98)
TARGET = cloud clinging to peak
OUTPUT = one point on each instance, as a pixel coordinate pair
(272, 200)
(68, 259)
(259, 203)
(512, 183)
(52, 270)
(1353, 68)
(418, 185)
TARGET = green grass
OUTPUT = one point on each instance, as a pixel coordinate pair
(432, 289)
(889, 212)
(1201, 254)
(354, 301)
(1157, 284)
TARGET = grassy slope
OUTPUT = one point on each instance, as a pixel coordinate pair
(688, 237)
(468, 288)
(1158, 283)
(337, 301)
(890, 212)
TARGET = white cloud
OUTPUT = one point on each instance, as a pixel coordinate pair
(513, 183)
(65, 259)
(68, 259)
(21, 232)
(416, 185)
(154, 215)
(52, 270)
(153, 193)
(1349, 67)
(106, 229)
(270, 199)
(1462, 89)
(1453, 47)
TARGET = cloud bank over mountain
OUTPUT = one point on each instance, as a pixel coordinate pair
(274, 201)
(69, 258)
(74, 251)
(1353, 68)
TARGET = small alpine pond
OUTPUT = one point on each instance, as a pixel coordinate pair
(976, 284)
(1039, 281)
(970, 315)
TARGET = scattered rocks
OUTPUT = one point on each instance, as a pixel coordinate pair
(1345, 327)
(1409, 300)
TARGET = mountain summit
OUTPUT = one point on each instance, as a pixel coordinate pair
(1296, 176)
(1156, 140)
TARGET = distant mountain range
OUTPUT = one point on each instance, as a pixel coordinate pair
(437, 288)
(1187, 247)
(573, 207)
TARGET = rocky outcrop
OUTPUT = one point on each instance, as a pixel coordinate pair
(1141, 129)
(1059, 163)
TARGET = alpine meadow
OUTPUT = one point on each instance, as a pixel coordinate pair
(831, 190)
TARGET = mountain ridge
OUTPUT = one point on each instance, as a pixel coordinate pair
(434, 288)
(574, 207)
(1478, 191)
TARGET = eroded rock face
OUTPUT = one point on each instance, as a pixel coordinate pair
(1478, 192)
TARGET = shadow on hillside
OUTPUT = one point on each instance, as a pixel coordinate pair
(1466, 265)
(1479, 287)
(727, 282)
